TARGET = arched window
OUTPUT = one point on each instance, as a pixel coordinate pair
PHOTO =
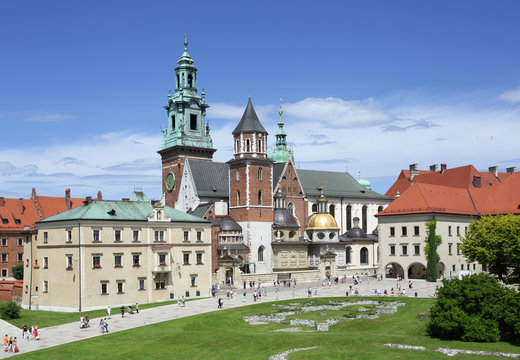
(259, 173)
(349, 217)
(237, 146)
(173, 122)
(363, 256)
(332, 209)
(238, 197)
(238, 175)
(364, 217)
(261, 254)
(259, 145)
(379, 208)
(290, 207)
(348, 255)
(314, 208)
(190, 80)
(259, 197)
(248, 145)
(178, 81)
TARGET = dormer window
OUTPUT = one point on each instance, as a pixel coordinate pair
(159, 215)
(193, 122)
(111, 212)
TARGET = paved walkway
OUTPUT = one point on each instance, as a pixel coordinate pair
(61, 334)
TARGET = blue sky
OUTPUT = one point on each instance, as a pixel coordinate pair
(369, 86)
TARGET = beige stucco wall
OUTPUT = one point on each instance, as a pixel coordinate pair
(80, 287)
(453, 260)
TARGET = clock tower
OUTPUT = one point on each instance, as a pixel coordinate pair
(186, 134)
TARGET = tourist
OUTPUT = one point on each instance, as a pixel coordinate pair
(276, 291)
(6, 342)
(292, 292)
(122, 308)
(244, 300)
(25, 332)
(179, 301)
(15, 345)
(101, 326)
(315, 290)
(137, 307)
(105, 325)
(109, 310)
(220, 303)
(309, 292)
(183, 300)
(35, 332)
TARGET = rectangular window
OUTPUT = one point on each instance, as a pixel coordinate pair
(5, 257)
(193, 121)
(20, 257)
(186, 236)
(120, 287)
(392, 231)
(159, 235)
(458, 230)
(193, 280)
(466, 231)
(45, 286)
(417, 249)
(458, 249)
(199, 258)
(96, 261)
(474, 266)
(135, 260)
(449, 230)
(404, 250)
(453, 267)
(104, 288)
(117, 261)
(162, 259)
(416, 230)
(404, 231)
(392, 249)
(45, 237)
(462, 266)
(95, 236)
(199, 236)
(69, 236)
(117, 235)
(4, 242)
(160, 284)
(141, 284)
(45, 262)
(135, 236)
(467, 266)
(5, 273)
(449, 249)
(186, 258)
(69, 262)
(20, 242)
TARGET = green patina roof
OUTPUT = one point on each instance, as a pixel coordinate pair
(335, 184)
(110, 210)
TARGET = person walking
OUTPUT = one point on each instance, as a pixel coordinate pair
(109, 310)
(122, 311)
(137, 307)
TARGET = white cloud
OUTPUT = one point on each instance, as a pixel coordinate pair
(511, 96)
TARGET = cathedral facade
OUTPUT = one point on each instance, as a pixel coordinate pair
(265, 211)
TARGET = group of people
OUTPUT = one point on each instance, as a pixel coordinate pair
(10, 344)
(103, 325)
(30, 333)
(84, 321)
(129, 308)
(181, 301)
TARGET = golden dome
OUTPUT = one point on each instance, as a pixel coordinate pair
(322, 221)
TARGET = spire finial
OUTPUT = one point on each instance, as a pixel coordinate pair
(280, 112)
(321, 187)
(185, 41)
(359, 175)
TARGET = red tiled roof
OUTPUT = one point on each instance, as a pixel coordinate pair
(55, 205)
(495, 198)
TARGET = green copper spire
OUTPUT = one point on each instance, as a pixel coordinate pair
(281, 153)
(186, 110)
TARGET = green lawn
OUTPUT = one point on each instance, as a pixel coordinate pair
(225, 335)
(51, 318)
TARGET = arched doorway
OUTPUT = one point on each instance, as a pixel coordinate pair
(393, 270)
(417, 271)
(229, 275)
(441, 268)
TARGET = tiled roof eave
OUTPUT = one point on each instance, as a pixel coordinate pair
(418, 211)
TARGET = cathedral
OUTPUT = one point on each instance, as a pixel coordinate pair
(270, 220)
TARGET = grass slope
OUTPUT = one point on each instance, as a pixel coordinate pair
(225, 335)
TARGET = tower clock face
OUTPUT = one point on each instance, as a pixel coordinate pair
(170, 181)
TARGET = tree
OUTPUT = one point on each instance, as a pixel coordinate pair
(475, 308)
(17, 271)
(494, 241)
(432, 257)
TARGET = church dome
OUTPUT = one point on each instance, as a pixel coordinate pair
(363, 182)
(322, 221)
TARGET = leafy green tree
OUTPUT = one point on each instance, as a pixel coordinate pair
(17, 271)
(9, 310)
(432, 257)
(475, 308)
(495, 242)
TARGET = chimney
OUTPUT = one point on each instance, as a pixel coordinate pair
(414, 171)
(88, 200)
(99, 195)
(126, 200)
(443, 168)
(434, 167)
(511, 170)
(20, 205)
(477, 181)
(33, 193)
(67, 199)
(494, 170)
(2, 201)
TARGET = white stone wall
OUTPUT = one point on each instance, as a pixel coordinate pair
(187, 198)
(258, 234)
(451, 258)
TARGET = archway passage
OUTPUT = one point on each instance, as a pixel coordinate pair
(417, 271)
(441, 268)
(393, 270)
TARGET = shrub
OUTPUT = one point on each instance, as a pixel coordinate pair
(475, 308)
(9, 310)
(17, 271)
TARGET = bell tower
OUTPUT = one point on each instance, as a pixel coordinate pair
(187, 134)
